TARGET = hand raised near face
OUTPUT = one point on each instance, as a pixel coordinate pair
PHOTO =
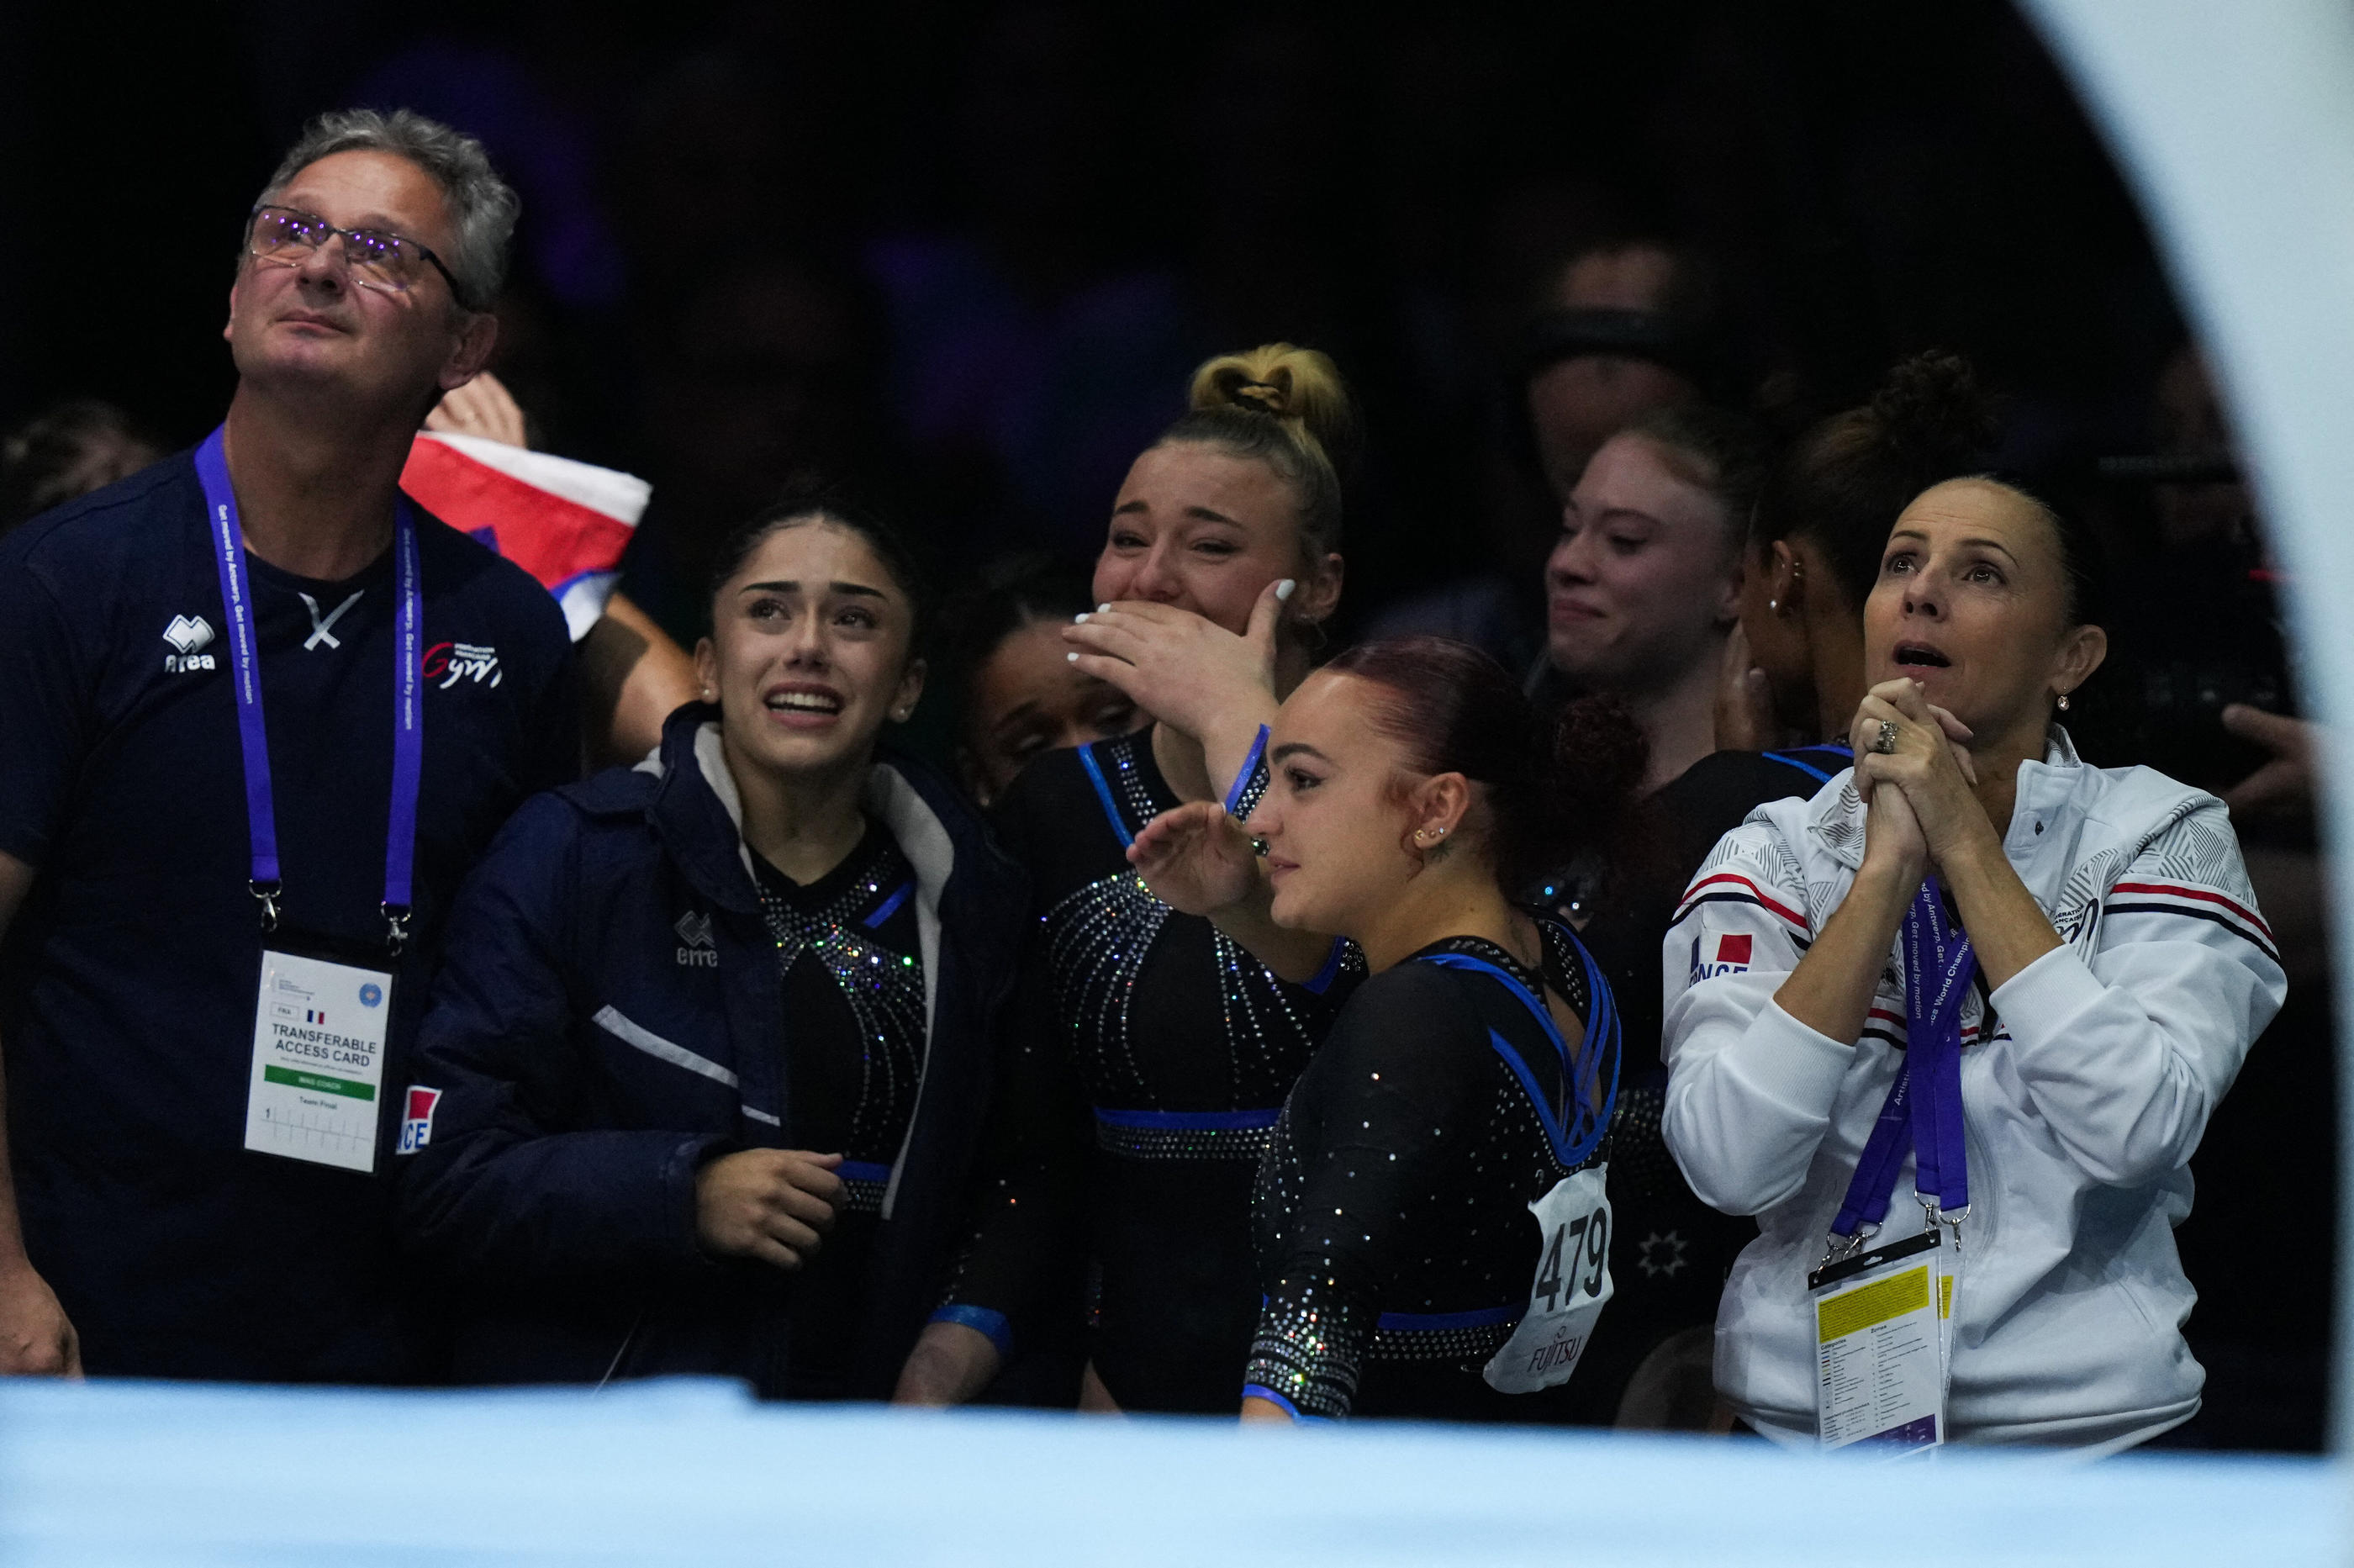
(1196, 859)
(1180, 667)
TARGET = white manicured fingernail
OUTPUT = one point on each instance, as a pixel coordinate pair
(1080, 618)
(1283, 589)
(1101, 609)
(1072, 657)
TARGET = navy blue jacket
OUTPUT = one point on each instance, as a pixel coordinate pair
(582, 1060)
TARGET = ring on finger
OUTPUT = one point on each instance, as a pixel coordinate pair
(1886, 744)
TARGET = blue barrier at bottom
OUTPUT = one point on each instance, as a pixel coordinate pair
(696, 1472)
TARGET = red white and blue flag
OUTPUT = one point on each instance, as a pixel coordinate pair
(564, 522)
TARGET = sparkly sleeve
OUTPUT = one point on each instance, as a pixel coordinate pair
(1368, 1149)
(1024, 1265)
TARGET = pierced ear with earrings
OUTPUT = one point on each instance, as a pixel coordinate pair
(1784, 563)
(2063, 702)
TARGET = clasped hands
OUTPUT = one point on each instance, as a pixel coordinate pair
(1922, 795)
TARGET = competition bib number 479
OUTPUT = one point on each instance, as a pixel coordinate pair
(1572, 1286)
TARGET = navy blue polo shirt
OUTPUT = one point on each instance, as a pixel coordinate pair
(127, 980)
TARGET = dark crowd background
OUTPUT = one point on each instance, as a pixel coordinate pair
(967, 254)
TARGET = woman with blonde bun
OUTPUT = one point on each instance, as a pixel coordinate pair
(1151, 1053)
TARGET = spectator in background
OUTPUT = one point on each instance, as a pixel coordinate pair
(1624, 328)
(215, 947)
(75, 448)
(1016, 691)
(1643, 585)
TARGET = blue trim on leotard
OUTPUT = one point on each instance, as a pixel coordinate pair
(1817, 774)
(1582, 1071)
(1321, 981)
(982, 1319)
(890, 907)
(1190, 1121)
(1103, 793)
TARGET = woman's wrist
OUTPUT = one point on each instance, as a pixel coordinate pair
(1973, 853)
(1886, 878)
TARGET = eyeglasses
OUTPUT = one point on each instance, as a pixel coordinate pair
(387, 263)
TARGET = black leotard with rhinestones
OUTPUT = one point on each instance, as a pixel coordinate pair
(1395, 1244)
(1150, 1061)
(850, 958)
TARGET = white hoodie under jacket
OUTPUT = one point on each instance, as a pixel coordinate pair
(2087, 1080)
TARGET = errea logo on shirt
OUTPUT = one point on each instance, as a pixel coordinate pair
(700, 953)
(450, 663)
(188, 634)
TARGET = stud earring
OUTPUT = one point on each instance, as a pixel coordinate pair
(1773, 604)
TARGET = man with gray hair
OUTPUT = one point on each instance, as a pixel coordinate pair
(261, 715)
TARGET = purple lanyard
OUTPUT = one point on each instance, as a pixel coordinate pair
(1924, 1110)
(253, 739)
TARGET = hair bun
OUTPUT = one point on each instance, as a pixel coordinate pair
(1934, 415)
(1298, 386)
(1593, 758)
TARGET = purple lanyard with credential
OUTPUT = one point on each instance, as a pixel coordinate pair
(253, 737)
(1923, 1112)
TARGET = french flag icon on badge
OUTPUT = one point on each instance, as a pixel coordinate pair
(417, 1127)
(1733, 949)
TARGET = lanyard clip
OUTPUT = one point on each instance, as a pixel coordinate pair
(396, 927)
(1838, 1248)
(267, 892)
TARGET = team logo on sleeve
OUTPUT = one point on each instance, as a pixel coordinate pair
(417, 1127)
(189, 635)
(1733, 949)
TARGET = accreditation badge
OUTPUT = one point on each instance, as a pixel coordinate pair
(320, 1030)
(1880, 1347)
(1572, 1286)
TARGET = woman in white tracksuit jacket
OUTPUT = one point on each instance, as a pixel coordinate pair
(2124, 971)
